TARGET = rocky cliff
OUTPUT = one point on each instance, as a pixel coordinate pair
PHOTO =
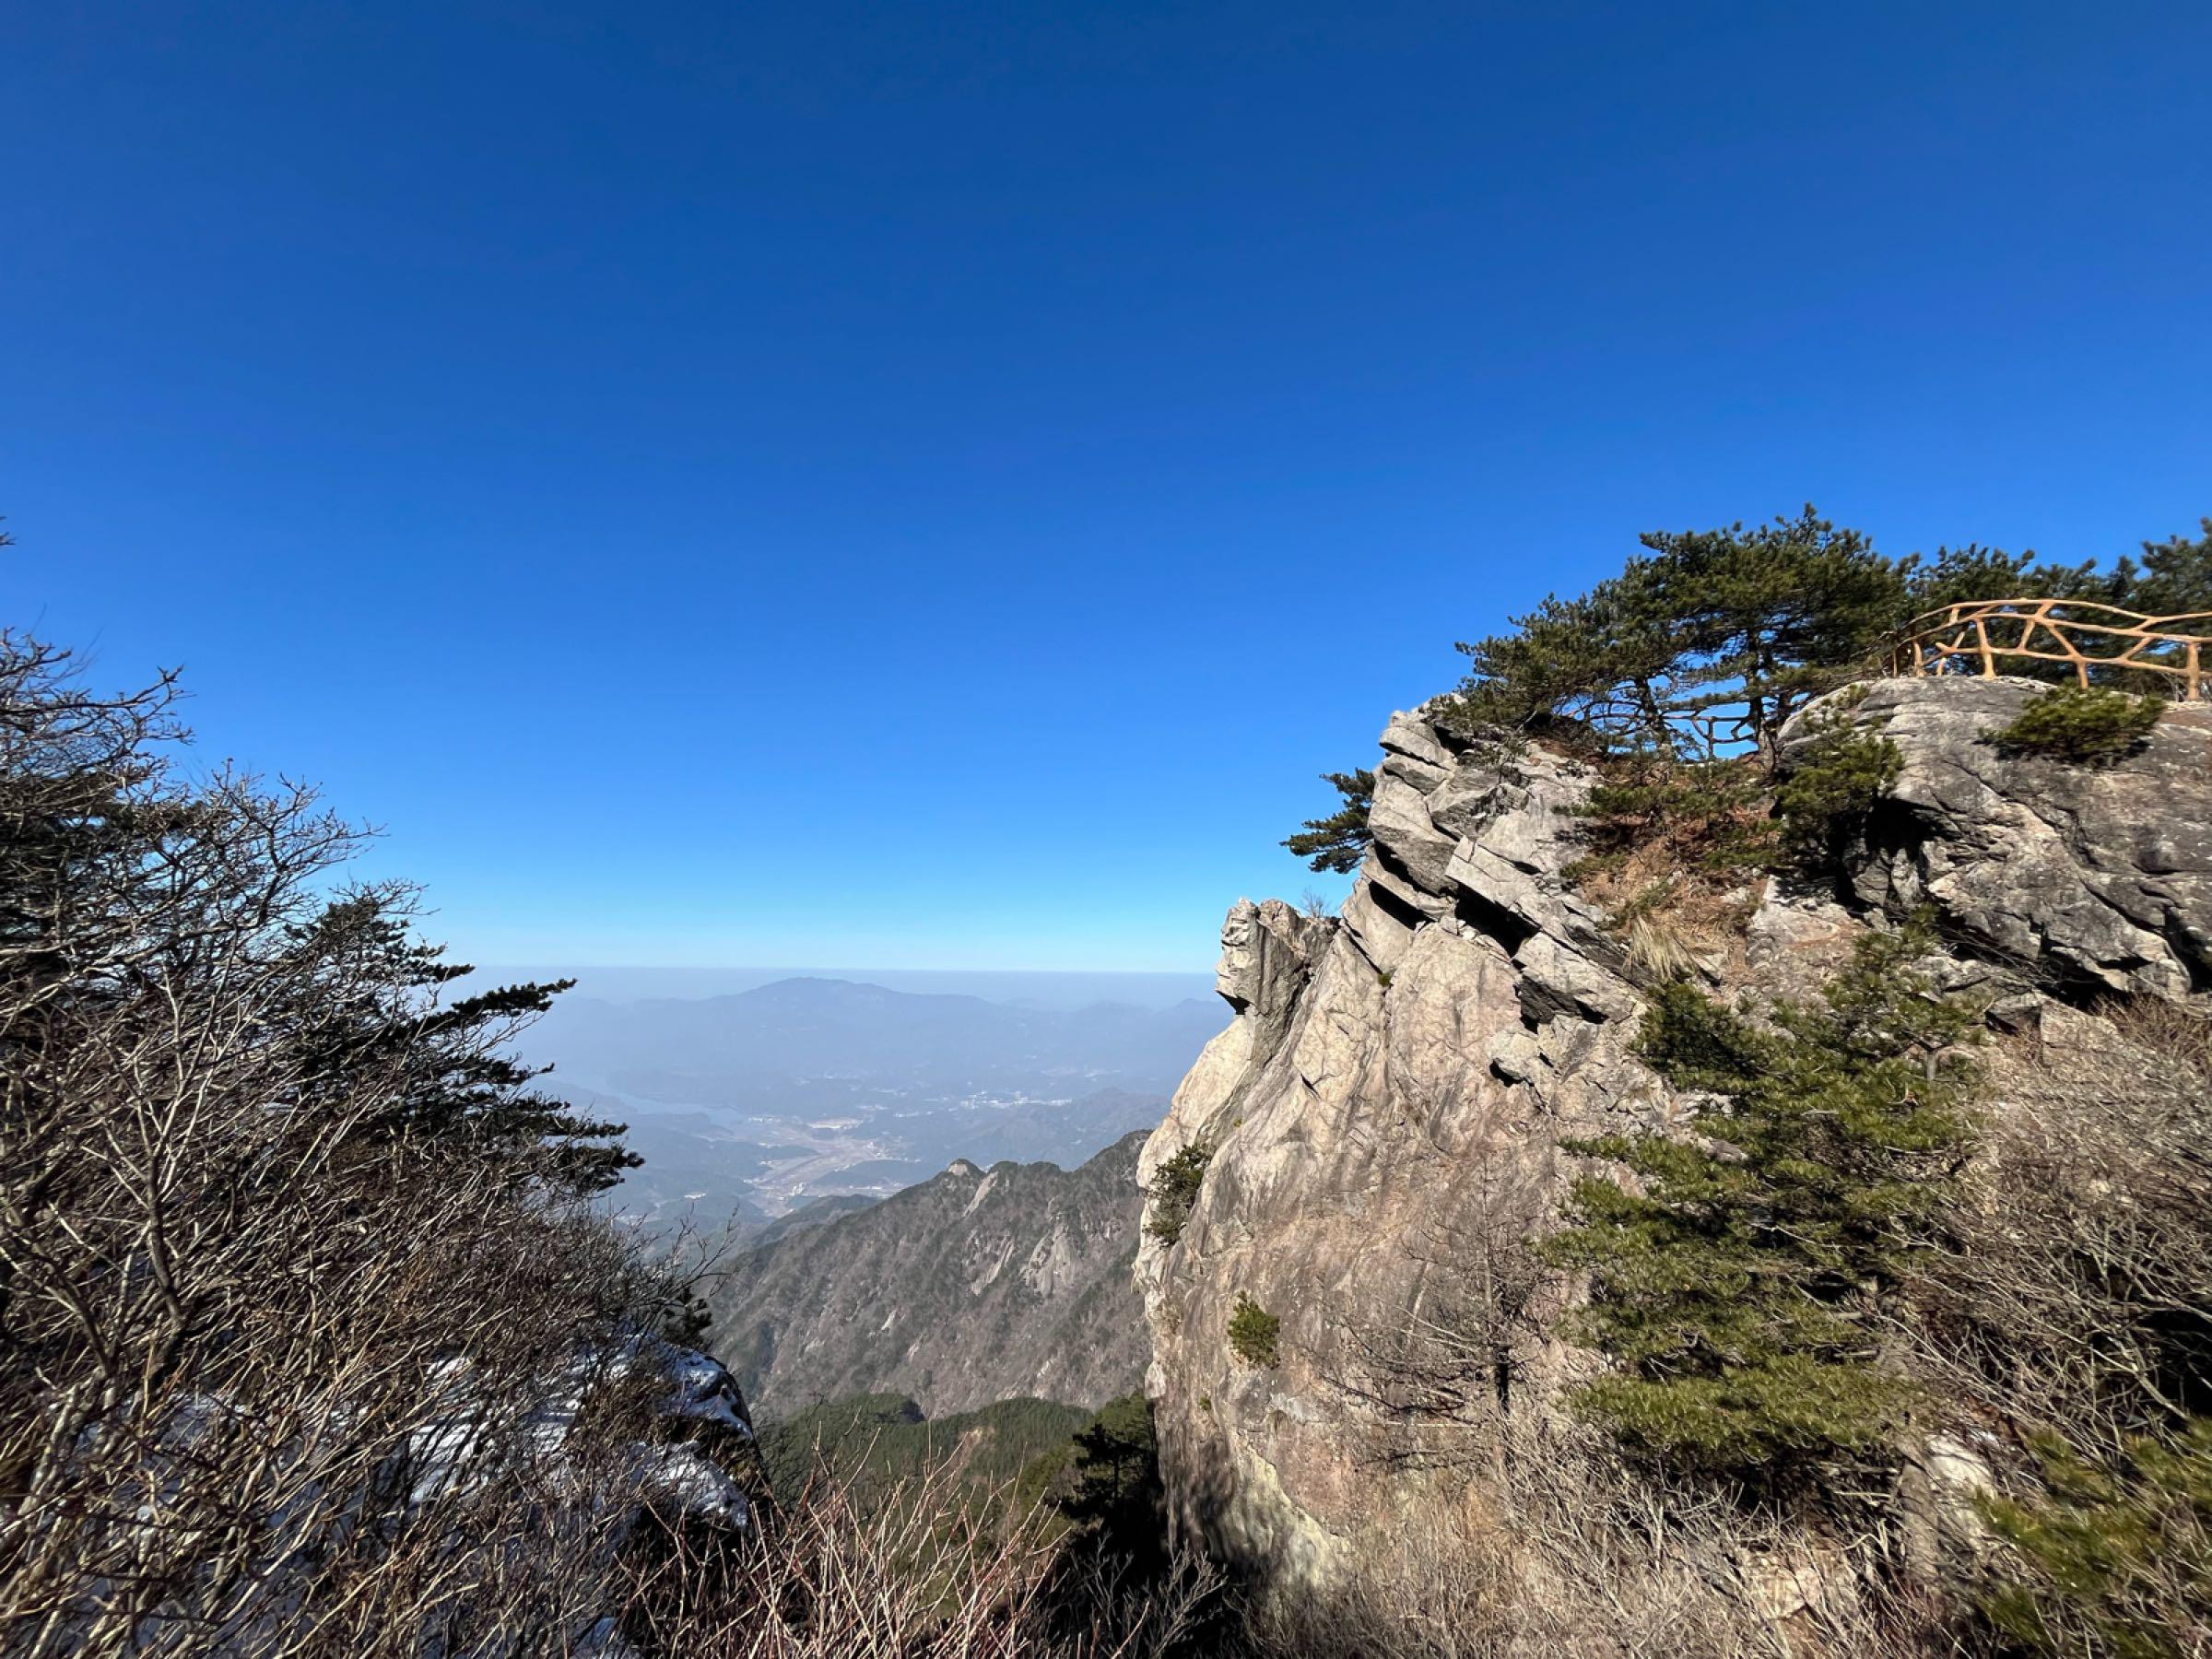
(975, 1286)
(1385, 1115)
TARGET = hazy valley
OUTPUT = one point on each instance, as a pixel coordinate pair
(750, 1106)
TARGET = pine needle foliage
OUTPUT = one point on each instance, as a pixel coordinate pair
(2085, 723)
(1709, 638)
(1835, 781)
(1769, 614)
(1738, 1290)
(1254, 1334)
(383, 996)
(2174, 577)
(1176, 1189)
(2110, 1557)
(1111, 1487)
(1602, 661)
(1960, 575)
(1339, 841)
(1710, 816)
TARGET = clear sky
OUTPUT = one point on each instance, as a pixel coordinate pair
(929, 484)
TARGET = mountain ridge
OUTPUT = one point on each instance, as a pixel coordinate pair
(980, 1284)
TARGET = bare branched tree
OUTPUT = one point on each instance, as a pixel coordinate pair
(311, 1339)
(298, 1287)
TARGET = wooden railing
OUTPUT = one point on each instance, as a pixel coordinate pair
(2113, 644)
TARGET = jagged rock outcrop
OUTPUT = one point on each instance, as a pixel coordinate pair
(2102, 874)
(1389, 1098)
(975, 1286)
(1387, 1112)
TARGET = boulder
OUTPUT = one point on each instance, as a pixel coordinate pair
(2097, 874)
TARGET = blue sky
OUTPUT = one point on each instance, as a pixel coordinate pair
(931, 484)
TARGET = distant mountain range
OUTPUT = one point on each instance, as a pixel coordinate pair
(735, 1049)
(975, 1286)
(752, 1106)
(1019, 988)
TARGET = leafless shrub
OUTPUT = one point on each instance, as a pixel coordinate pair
(2176, 1033)
(1440, 1383)
(930, 1570)
(2081, 1298)
(298, 1331)
(310, 1342)
(1585, 1556)
(1529, 1535)
(1567, 1549)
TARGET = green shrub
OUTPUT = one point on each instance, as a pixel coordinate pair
(1742, 1291)
(2109, 1559)
(1176, 1189)
(1254, 1332)
(1839, 776)
(2081, 722)
(1709, 817)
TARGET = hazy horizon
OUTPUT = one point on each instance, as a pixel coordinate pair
(1048, 988)
(761, 1090)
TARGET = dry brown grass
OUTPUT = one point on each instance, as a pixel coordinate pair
(1585, 1557)
(929, 1571)
(1677, 918)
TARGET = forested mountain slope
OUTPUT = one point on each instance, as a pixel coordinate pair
(973, 1287)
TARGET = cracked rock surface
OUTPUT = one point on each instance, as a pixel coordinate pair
(2099, 873)
(1393, 1091)
(1389, 1107)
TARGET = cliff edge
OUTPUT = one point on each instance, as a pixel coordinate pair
(1382, 1125)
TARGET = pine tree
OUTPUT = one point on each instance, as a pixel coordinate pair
(1606, 660)
(2173, 578)
(1960, 575)
(377, 1005)
(1339, 842)
(108, 855)
(1739, 1290)
(1705, 645)
(1838, 777)
(1771, 617)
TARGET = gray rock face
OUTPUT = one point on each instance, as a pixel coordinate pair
(1387, 1112)
(2101, 874)
(1386, 1107)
